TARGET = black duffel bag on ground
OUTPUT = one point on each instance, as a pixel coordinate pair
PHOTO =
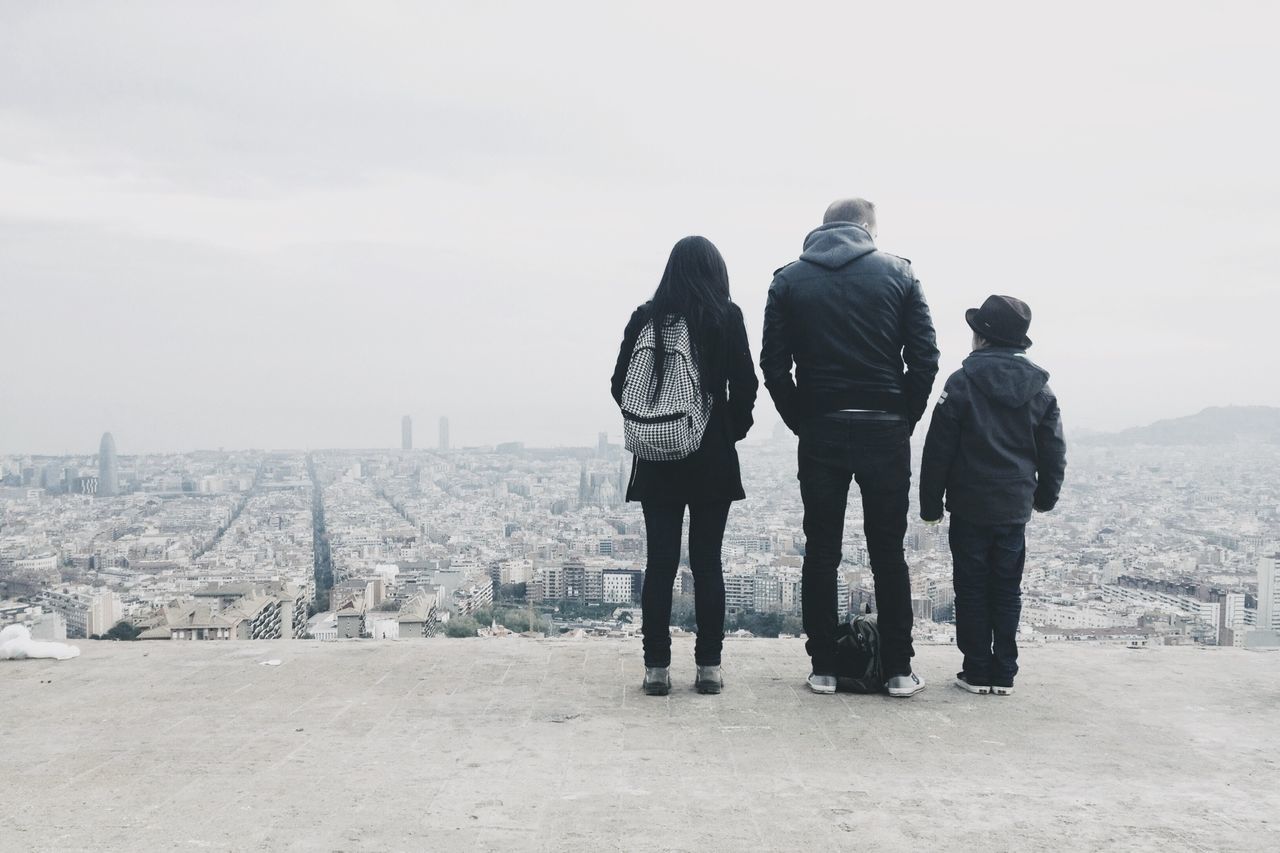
(858, 668)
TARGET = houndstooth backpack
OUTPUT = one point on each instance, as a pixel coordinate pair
(670, 427)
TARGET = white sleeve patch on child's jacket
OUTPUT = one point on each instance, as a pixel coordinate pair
(942, 398)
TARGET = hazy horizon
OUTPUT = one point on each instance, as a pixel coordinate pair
(583, 442)
(286, 225)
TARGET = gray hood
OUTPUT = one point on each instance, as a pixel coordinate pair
(1006, 375)
(836, 244)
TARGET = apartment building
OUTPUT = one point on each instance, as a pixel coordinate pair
(87, 610)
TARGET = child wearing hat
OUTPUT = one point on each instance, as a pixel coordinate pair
(994, 453)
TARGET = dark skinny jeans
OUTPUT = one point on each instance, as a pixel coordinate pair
(663, 523)
(834, 450)
(987, 569)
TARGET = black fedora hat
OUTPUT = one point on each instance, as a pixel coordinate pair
(1002, 320)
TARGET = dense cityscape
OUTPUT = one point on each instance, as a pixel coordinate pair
(1150, 545)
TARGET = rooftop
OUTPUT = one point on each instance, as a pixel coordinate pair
(519, 744)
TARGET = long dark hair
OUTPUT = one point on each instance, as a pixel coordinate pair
(695, 287)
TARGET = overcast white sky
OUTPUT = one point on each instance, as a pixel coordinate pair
(287, 225)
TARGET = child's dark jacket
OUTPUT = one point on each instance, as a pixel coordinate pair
(995, 445)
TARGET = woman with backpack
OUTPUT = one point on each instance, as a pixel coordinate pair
(686, 384)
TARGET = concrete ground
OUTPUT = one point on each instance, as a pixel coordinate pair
(517, 744)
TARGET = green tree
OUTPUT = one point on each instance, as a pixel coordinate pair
(682, 614)
(514, 620)
(461, 626)
(759, 624)
(519, 620)
(511, 592)
(122, 631)
(580, 610)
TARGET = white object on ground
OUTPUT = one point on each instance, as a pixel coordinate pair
(16, 644)
(272, 662)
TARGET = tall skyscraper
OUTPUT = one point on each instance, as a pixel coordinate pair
(108, 473)
(444, 433)
(1269, 593)
(406, 433)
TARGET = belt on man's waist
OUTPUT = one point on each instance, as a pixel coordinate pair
(867, 416)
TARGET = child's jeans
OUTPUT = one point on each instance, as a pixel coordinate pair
(987, 574)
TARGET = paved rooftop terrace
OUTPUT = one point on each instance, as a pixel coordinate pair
(517, 744)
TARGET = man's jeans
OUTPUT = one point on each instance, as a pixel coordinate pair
(988, 562)
(835, 449)
(663, 523)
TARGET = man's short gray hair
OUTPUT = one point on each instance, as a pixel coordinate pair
(855, 210)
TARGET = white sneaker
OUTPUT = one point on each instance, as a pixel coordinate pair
(824, 684)
(902, 686)
(963, 682)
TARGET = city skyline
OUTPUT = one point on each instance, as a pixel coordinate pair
(1150, 545)
(444, 442)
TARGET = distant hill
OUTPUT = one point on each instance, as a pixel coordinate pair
(1215, 425)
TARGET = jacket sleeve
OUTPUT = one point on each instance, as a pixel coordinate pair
(1051, 457)
(940, 449)
(742, 377)
(629, 336)
(919, 352)
(776, 356)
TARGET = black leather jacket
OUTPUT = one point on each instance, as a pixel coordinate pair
(850, 318)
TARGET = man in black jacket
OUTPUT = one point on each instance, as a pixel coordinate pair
(850, 318)
(995, 450)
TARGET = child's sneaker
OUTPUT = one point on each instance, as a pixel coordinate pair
(1002, 689)
(963, 682)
